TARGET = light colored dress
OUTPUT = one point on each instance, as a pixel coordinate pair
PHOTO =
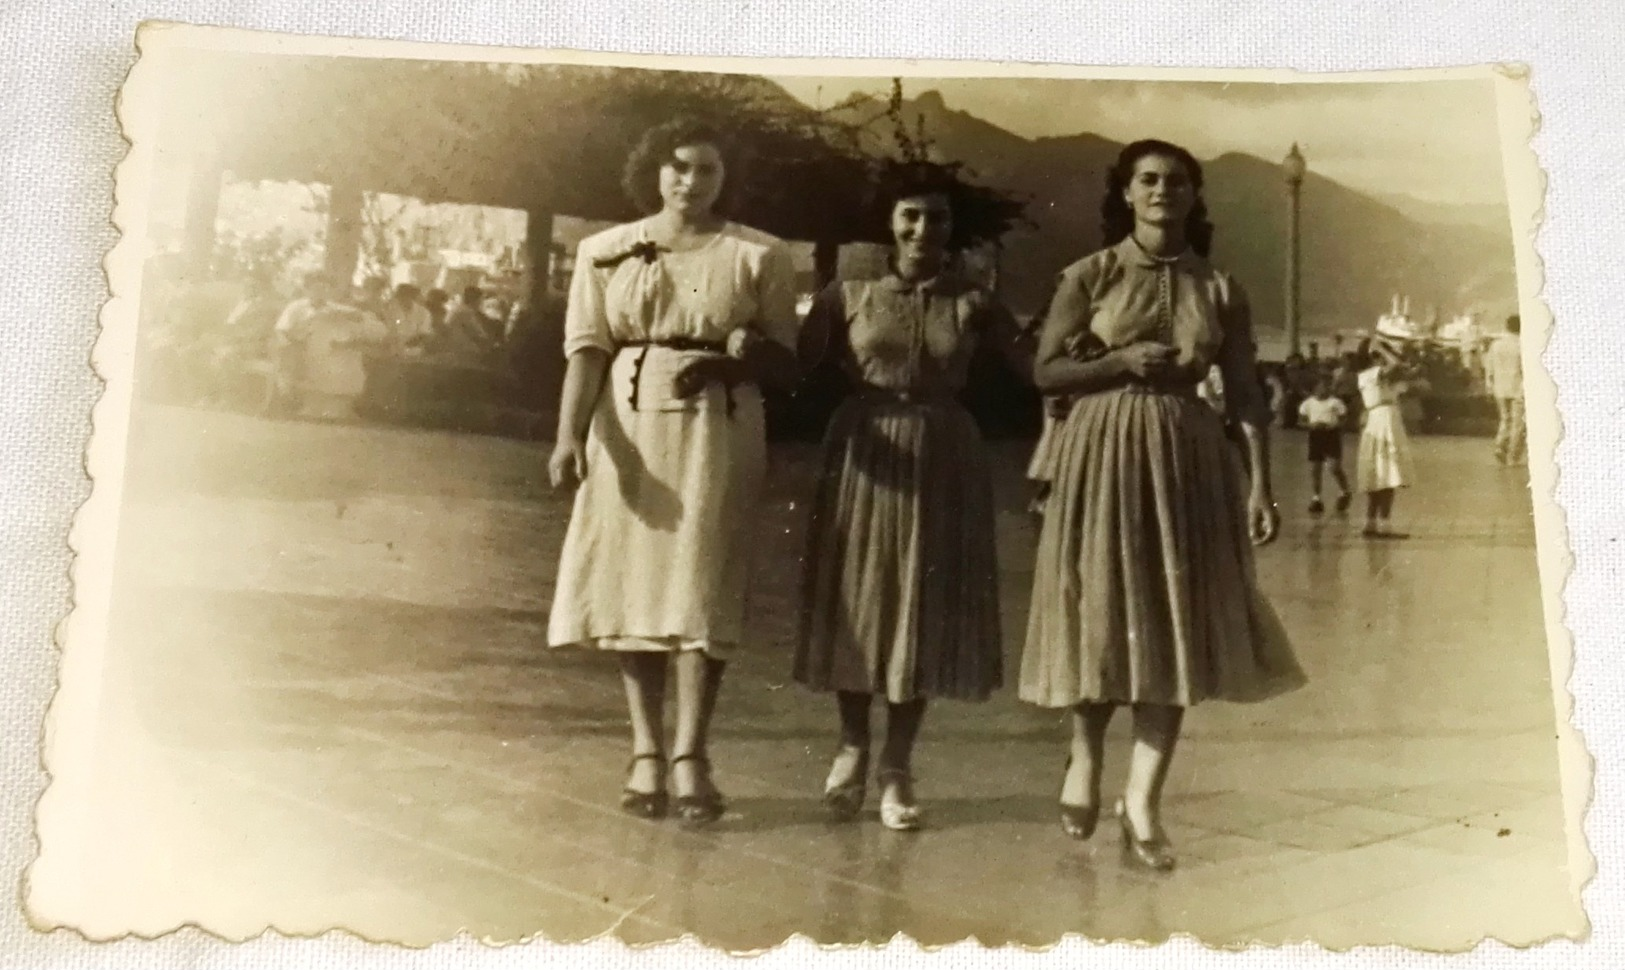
(1144, 587)
(332, 341)
(657, 552)
(1385, 446)
(901, 573)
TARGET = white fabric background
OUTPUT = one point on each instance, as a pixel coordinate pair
(61, 64)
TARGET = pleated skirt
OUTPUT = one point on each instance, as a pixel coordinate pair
(1144, 586)
(900, 574)
(1385, 450)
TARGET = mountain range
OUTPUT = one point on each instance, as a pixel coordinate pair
(1358, 249)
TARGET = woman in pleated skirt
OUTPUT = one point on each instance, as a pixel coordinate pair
(901, 579)
(1144, 590)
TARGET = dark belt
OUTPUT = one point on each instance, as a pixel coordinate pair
(674, 343)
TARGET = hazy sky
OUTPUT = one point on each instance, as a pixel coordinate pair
(1434, 140)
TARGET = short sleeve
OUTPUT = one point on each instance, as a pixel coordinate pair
(1238, 357)
(776, 296)
(586, 319)
(825, 325)
(1068, 312)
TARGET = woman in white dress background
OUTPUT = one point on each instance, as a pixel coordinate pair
(1384, 464)
(672, 320)
(323, 345)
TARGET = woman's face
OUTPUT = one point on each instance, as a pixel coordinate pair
(1160, 191)
(921, 226)
(692, 180)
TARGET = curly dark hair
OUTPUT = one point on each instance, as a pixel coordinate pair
(893, 181)
(1117, 219)
(640, 179)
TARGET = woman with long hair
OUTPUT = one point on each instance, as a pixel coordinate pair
(1144, 591)
(901, 577)
(672, 320)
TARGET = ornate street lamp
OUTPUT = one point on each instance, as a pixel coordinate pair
(1293, 168)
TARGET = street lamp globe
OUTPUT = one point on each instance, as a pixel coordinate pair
(1294, 165)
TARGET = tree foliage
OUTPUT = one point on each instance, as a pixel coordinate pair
(536, 137)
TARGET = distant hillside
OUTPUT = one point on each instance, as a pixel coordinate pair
(1357, 250)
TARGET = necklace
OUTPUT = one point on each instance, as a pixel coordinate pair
(1165, 260)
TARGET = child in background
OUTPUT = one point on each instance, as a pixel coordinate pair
(1323, 415)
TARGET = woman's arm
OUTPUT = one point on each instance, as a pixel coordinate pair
(766, 353)
(1238, 363)
(583, 382)
(588, 347)
(1055, 370)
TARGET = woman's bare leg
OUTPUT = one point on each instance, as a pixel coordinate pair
(1156, 732)
(1080, 788)
(699, 678)
(643, 674)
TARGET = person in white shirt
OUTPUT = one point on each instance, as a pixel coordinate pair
(326, 342)
(1323, 415)
(1503, 372)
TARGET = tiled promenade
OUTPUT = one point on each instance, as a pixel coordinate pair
(328, 704)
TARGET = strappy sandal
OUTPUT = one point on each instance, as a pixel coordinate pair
(699, 810)
(646, 804)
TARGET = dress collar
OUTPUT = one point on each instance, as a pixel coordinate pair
(1130, 252)
(943, 282)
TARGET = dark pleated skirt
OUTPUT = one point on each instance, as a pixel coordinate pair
(1144, 588)
(901, 576)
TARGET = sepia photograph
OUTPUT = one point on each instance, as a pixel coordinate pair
(543, 495)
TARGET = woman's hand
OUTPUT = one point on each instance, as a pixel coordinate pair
(567, 466)
(1263, 518)
(693, 376)
(1084, 346)
(1146, 359)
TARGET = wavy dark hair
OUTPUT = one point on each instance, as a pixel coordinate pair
(640, 179)
(1117, 219)
(892, 181)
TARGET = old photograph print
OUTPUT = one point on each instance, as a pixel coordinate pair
(550, 496)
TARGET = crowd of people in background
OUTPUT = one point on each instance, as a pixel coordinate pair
(311, 353)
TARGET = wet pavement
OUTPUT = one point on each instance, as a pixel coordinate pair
(328, 703)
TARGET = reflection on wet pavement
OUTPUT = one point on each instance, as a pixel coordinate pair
(329, 704)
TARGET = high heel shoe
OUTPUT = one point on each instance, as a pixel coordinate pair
(844, 799)
(646, 804)
(1154, 853)
(898, 810)
(699, 809)
(1079, 821)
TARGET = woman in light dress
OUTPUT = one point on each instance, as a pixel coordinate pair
(901, 578)
(1384, 462)
(672, 321)
(1144, 591)
(324, 345)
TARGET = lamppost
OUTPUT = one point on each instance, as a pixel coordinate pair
(1293, 167)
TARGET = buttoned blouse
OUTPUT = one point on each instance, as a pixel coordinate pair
(915, 337)
(1124, 295)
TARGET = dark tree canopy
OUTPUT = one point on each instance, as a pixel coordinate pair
(545, 137)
